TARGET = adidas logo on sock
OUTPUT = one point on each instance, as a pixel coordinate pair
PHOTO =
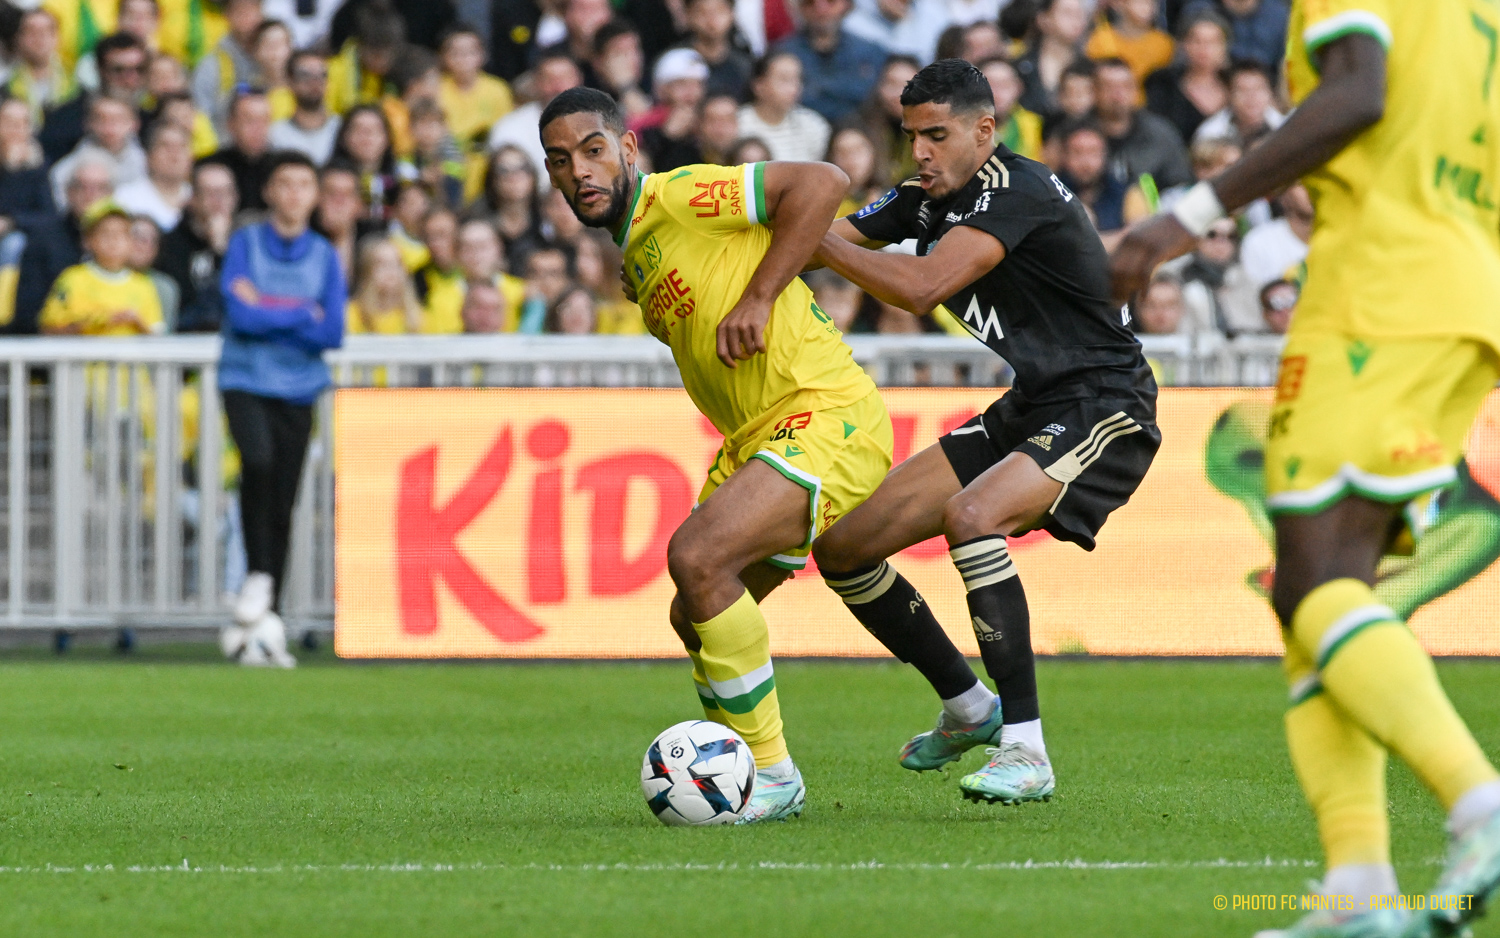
(983, 632)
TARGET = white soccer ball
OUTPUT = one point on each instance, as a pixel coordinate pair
(697, 773)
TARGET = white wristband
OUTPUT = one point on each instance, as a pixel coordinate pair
(1198, 209)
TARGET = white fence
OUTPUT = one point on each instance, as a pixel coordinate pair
(119, 512)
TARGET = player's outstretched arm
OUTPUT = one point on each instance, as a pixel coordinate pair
(844, 228)
(1349, 99)
(801, 199)
(917, 284)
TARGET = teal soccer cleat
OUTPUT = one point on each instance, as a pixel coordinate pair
(948, 741)
(1377, 923)
(1470, 879)
(775, 799)
(1015, 773)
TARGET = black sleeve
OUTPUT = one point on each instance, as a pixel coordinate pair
(892, 217)
(1014, 213)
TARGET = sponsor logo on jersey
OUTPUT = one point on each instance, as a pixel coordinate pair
(787, 427)
(955, 217)
(670, 297)
(982, 205)
(1044, 440)
(984, 632)
(714, 194)
(980, 325)
(1055, 428)
(1289, 382)
(876, 205)
(1062, 190)
(924, 213)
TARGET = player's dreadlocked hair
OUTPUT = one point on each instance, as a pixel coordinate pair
(584, 101)
(953, 82)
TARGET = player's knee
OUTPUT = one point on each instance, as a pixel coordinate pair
(835, 550)
(690, 561)
(964, 519)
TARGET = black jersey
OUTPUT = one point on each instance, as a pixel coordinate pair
(1046, 307)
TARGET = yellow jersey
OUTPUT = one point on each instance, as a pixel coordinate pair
(80, 26)
(1406, 240)
(85, 297)
(190, 29)
(443, 314)
(384, 322)
(472, 113)
(692, 241)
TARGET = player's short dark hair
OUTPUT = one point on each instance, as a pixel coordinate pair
(953, 82)
(584, 101)
(278, 159)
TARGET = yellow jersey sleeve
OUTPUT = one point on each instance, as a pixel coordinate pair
(1315, 23)
(715, 199)
(57, 312)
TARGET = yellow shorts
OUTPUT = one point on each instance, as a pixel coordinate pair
(1381, 418)
(839, 455)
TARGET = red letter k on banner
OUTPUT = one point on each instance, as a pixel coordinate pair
(426, 548)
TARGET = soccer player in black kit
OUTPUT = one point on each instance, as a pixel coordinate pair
(1010, 251)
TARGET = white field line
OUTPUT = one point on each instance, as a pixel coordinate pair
(765, 866)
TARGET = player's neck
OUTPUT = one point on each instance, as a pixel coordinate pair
(633, 181)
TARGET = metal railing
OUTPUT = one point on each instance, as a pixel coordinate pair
(116, 478)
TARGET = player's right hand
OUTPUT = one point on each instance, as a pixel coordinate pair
(1144, 247)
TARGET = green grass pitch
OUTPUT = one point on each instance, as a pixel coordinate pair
(438, 800)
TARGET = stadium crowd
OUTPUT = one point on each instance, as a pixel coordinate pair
(420, 116)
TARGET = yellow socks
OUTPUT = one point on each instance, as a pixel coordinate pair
(711, 711)
(735, 663)
(1342, 770)
(1377, 674)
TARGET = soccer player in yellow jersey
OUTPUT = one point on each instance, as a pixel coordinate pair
(712, 253)
(103, 296)
(1395, 343)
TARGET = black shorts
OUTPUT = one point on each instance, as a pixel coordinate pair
(1098, 448)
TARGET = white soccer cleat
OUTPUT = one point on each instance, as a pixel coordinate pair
(266, 644)
(255, 598)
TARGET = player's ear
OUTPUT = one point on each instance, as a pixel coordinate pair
(984, 129)
(629, 147)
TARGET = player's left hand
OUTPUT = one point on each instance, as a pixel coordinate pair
(1155, 240)
(627, 287)
(742, 334)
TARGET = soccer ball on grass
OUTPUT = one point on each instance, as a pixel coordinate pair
(697, 773)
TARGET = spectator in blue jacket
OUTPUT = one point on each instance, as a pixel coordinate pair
(838, 67)
(1257, 27)
(284, 298)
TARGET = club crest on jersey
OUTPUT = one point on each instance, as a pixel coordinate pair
(876, 205)
(979, 325)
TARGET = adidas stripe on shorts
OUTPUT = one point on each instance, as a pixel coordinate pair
(1098, 448)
